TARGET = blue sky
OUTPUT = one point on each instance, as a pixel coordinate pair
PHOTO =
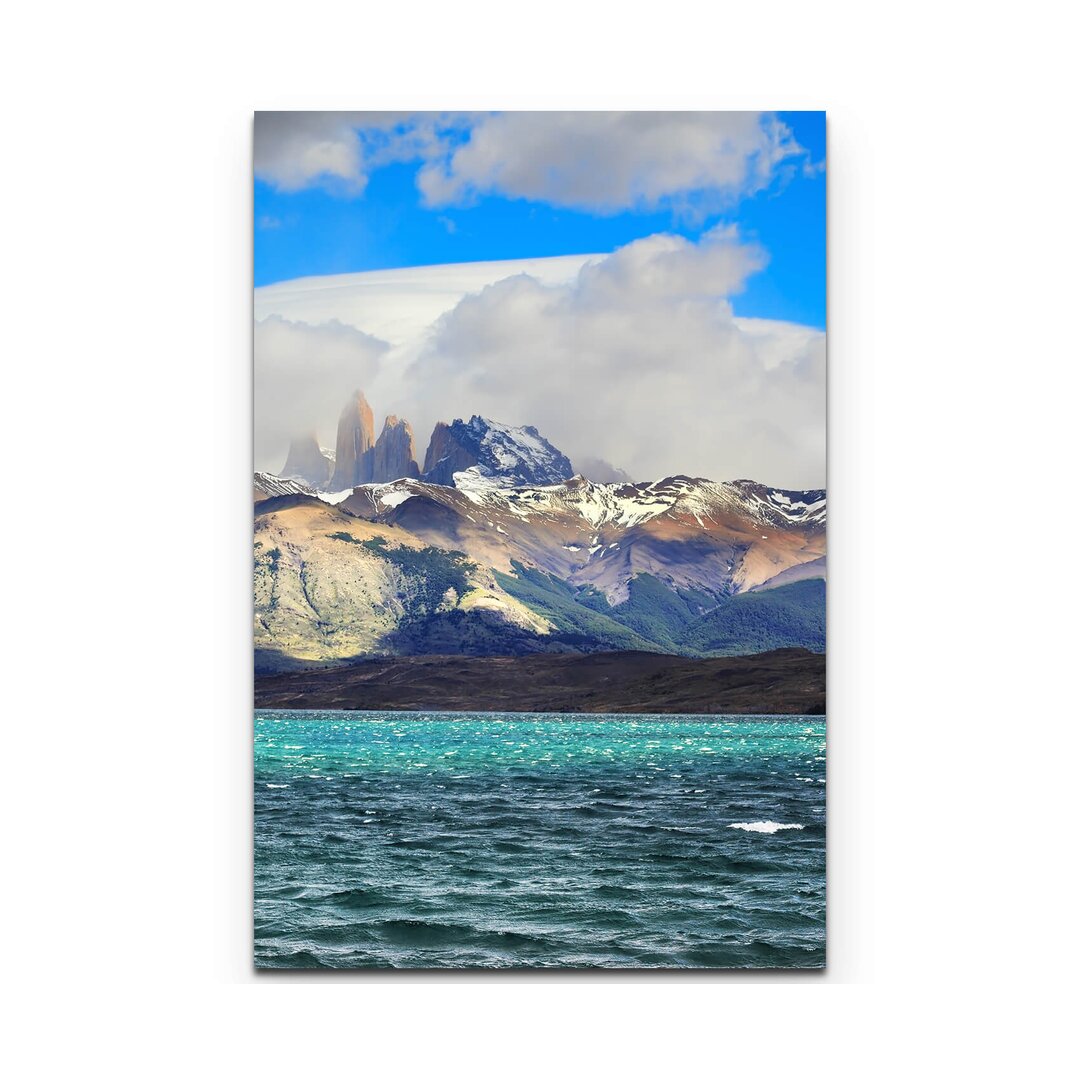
(334, 227)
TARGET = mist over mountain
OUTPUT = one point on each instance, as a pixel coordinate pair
(307, 462)
(494, 451)
(601, 472)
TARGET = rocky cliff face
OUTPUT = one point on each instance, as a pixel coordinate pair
(306, 462)
(394, 457)
(446, 455)
(329, 587)
(509, 455)
(354, 462)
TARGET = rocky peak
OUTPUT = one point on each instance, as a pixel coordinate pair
(448, 452)
(515, 456)
(394, 456)
(354, 460)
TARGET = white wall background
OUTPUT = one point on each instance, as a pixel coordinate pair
(952, 764)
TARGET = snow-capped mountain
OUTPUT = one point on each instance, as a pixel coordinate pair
(511, 570)
(780, 507)
(623, 505)
(722, 537)
(511, 456)
(269, 486)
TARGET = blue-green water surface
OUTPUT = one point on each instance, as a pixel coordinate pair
(522, 840)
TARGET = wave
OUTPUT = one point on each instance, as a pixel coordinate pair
(485, 867)
(762, 826)
(421, 933)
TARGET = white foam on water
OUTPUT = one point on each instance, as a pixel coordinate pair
(762, 826)
(277, 785)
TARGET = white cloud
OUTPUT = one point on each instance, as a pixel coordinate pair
(338, 150)
(294, 150)
(634, 358)
(399, 306)
(641, 362)
(303, 377)
(601, 161)
(607, 161)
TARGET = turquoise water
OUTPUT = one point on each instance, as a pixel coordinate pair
(516, 840)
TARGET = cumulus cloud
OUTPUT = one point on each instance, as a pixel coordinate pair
(294, 150)
(638, 361)
(338, 150)
(634, 359)
(303, 376)
(607, 161)
(599, 161)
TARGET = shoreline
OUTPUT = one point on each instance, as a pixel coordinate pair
(782, 682)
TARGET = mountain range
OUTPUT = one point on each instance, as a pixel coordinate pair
(498, 548)
(503, 454)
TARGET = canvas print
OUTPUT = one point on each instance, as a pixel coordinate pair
(539, 540)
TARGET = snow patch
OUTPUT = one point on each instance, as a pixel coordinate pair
(334, 497)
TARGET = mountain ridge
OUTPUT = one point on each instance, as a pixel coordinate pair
(690, 531)
(498, 548)
(677, 567)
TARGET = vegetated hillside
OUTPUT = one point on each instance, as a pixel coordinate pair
(572, 610)
(687, 621)
(660, 613)
(789, 615)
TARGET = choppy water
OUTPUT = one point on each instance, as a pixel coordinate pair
(498, 840)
